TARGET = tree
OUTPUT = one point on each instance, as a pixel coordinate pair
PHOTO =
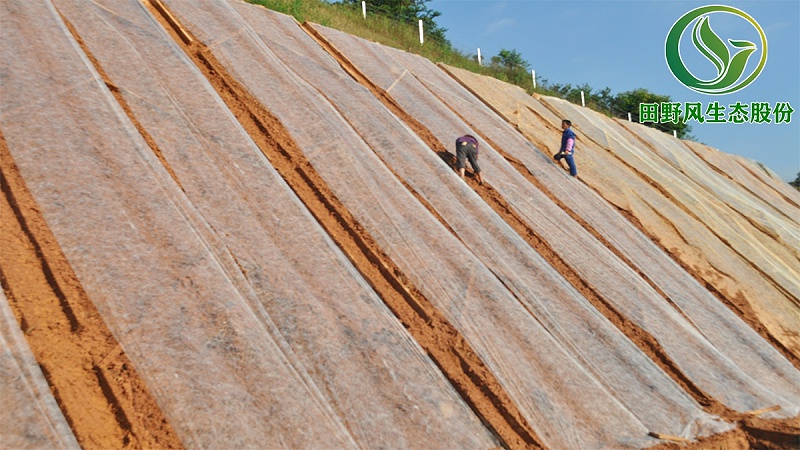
(796, 182)
(628, 102)
(509, 66)
(599, 101)
(510, 60)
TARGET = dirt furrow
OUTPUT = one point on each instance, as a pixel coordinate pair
(122, 103)
(748, 190)
(448, 349)
(704, 188)
(104, 400)
(737, 301)
(752, 431)
(770, 186)
(646, 342)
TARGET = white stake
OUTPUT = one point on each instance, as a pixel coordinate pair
(421, 40)
(583, 100)
(479, 57)
(364, 9)
(629, 117)
(533, 76)
(675, 133)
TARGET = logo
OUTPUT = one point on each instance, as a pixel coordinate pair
(730, 63)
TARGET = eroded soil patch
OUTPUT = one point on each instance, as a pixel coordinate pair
(104, 400)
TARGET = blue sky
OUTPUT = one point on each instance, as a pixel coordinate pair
(620, 44)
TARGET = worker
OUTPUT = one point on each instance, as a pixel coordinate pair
(467, 149)
(567, 147)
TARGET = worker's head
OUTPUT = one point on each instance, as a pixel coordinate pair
(565, 124)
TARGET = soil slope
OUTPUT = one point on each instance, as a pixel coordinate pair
(221, 228)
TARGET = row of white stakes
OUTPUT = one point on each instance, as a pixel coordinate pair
(421, 35)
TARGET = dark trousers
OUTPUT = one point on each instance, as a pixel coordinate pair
(570, 162)
(464, 153)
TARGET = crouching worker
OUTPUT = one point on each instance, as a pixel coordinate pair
(467, 149)
(567, 147)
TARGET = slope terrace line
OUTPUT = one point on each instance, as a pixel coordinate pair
(532, 179)
(722, 173)
(704, 188)
(646, 342)
(102, 397)
(421, 130)
(641, 338)
(715, 408)
(740, 214)
(448, 349)
(774, 189)
(405, 184)
(737, 303)
(636, 171)
(121, 100)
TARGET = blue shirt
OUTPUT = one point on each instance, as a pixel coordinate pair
(565, 136)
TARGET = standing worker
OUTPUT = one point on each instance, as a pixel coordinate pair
(567, 147)
(467, 149)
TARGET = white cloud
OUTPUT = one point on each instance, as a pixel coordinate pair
(498, 25)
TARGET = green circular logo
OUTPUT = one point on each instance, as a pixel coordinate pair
(730, 67)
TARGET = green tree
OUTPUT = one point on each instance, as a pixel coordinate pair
(796, 182)
(508, 65)
(601, 100)
(509, 60)
(629, 101)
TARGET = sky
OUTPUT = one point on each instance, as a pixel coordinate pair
(620, 44)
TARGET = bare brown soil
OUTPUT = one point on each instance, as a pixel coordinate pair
(104, 400)
(752, 433)
(428, 326)
(642, 339)
(740, 438)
